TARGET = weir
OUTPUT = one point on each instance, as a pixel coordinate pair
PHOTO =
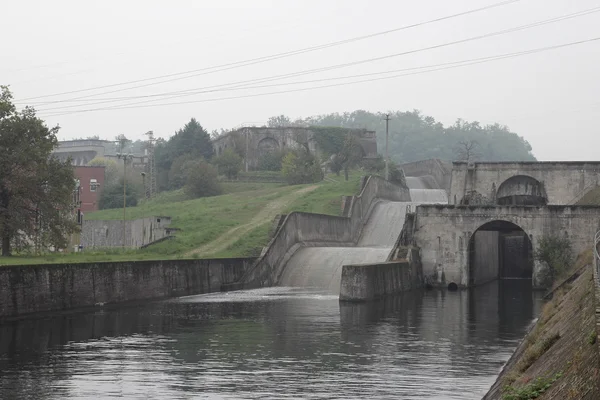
(321, 266)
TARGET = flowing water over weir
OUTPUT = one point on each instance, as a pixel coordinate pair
(321, 267)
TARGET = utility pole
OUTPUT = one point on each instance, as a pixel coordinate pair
(246, 157)
(122, 155)
(387, 168)
(151, 167)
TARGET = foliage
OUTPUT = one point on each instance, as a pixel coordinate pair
(330, 138)
(229, 163)
(467, 150)
(202, 179)
(350, 154)
(301, 167)
(111, 169)
(593, 336)
(178, 172)
(192, 140)
(279, 121)
(373, 165)
(414, 136)
(557, 253)
(397, 175)
(36, 189)
(111, 196)
(530, 391)
(271, 161)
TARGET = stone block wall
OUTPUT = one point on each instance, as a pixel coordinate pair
(138, 233)
(27, 289)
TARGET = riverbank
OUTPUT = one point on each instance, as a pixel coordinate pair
(560, 356)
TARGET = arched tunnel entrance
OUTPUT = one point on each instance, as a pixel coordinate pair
(499, 250)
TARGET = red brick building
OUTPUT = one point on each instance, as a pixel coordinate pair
(91, 182)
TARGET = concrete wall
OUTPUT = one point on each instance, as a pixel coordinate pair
(443, 233)
(438, 169)
(138, 233)
(372, 281)
(26, 289)
(301, 228)
(563, 182)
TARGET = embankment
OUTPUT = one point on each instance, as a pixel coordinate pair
(28, 289)
(301, 229)
(560, 356)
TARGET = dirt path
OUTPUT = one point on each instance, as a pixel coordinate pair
(265, 215)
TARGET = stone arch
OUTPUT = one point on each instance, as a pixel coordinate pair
(267, 145)
(499, 249)
(521, 190)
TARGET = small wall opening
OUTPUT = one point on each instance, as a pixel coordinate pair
(499, 250)
(452, 286)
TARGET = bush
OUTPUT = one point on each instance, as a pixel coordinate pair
(229, 163)
(373, 165)
(557, 253)
(177, 173)
(397, 175)
(301, 167)
(202, 180)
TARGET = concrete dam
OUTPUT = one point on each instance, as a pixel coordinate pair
(321, 266)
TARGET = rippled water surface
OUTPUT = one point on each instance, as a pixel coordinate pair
(271, 343)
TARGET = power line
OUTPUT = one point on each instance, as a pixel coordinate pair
(238, 64)
(458, 64)
(322, 69)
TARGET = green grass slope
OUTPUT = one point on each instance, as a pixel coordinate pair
(201, 221)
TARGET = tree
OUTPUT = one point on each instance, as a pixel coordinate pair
(36, 189)
(178, 171)
(191, 139)
(229, 163)
(202, 180)
(271, 161)
(301, 167)
(111, 169)
(112, 195)
(279, 121)
(467, 150)
(557, 253)
(350, 155)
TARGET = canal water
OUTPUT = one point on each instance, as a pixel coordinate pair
(272, 343)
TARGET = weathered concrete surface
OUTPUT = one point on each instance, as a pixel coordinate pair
(138, 233)
(561, 182)
(559, 346)
(372, 281)
(438, 169)
(486, 258)
(443, 234)
(311, 230)
(27, 289)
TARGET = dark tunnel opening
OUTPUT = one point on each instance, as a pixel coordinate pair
(499, 250)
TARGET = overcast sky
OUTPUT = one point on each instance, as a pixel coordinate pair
(550, 97)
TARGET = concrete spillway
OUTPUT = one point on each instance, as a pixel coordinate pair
(321, 267)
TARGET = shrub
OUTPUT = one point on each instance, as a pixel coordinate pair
(397, 175)
(202, 180)
(229, 163)
(557, 253)
(301, 167)
(373, 165)
(112, 195)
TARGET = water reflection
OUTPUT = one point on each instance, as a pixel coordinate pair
(272, 343)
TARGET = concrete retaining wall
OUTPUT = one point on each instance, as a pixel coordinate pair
(372, 281)
(301, 228)
(138, 233)
(28, 289)
(438, 169)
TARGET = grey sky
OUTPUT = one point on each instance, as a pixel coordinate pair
(550, 98)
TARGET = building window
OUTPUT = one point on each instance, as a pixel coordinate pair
(93, 185)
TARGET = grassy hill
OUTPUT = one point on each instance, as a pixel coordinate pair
(241, 218)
